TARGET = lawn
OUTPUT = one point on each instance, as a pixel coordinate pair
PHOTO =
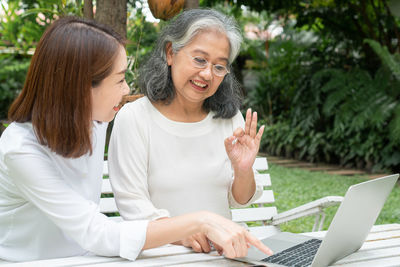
(293, 187)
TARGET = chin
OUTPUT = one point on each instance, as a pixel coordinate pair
(105, 119)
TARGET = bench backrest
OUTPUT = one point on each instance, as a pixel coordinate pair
(256, 216)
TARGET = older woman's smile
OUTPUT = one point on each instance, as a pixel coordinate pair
(199, 85)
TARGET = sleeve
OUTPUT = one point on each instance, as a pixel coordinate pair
(128, 164)
(238, 121)
(40, 183)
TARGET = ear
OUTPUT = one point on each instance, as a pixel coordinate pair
(169, 53)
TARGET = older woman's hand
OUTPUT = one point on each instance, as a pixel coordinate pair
(242, 147)
(229, 238)
(198, 242)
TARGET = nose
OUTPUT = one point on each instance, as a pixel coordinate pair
(206, 73)
(126, 88)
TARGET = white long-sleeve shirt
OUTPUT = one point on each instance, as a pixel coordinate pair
(49, 204)
(159, 167)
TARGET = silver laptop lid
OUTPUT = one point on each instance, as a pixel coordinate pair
(354, 219)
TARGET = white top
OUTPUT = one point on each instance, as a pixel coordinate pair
(49, 204)
(159, 167)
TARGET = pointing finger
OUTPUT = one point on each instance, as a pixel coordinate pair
(258, 244)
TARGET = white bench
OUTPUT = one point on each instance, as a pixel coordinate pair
(262, 215)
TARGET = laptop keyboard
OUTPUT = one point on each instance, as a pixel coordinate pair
(296, 256)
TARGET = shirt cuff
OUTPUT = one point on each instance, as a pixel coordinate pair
(257, 194)
(132, 238)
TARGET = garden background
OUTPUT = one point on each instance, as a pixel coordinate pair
(323, 75)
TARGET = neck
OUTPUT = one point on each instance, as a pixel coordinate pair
(182, 112)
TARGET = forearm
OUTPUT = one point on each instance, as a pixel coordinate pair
(243, 186)
(232, 239)
(169, 230)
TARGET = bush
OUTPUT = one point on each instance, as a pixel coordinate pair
(12, 77)
(321, 108)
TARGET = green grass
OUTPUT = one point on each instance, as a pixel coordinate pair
(293, 187)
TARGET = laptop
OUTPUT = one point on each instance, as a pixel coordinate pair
(347, 232)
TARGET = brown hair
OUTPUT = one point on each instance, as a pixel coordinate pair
(73, 55)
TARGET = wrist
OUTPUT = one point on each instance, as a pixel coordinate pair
(204, 221)
(240, 173)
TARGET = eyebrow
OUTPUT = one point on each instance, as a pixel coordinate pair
(121, 72)
(205, 53)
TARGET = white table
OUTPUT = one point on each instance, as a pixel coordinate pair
(382, 248)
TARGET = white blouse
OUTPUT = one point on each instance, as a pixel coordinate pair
(49, 204)
(159, 167)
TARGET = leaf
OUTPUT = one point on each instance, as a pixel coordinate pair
(387, 58)
(37, 11)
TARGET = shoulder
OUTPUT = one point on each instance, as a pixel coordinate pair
(134, 110)
(20, 138)
(237, 120)
(133, 118)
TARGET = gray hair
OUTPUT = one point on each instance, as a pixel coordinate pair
(155, 75)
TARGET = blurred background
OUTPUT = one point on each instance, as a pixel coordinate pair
(323, 75)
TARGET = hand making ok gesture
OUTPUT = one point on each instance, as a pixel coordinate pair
(242, 147)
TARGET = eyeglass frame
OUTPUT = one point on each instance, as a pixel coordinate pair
(195, 64)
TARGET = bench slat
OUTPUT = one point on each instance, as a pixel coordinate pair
(105, 168)
(106, 187)
(260, 164)
(263, 178)
(266, 198)
(253, 214)
(116, 218)
(107, 205)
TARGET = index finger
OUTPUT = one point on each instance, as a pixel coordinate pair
(239, 132)
(258, 244)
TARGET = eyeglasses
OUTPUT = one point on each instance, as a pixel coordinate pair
(202, 63)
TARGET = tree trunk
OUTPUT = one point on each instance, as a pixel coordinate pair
(88, 9)
(112, 13)
(189, 4)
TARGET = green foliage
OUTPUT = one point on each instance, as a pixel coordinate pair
(23, 24)
(355, 99)
(141, 36)
(391, 61)
(359, 20)
(314, 109)
(320, 96)
(12, 76)
(347, 117)
(16, 30)
(25, 21)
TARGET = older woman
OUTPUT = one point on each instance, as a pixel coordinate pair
(185, 146)
(51, 158)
